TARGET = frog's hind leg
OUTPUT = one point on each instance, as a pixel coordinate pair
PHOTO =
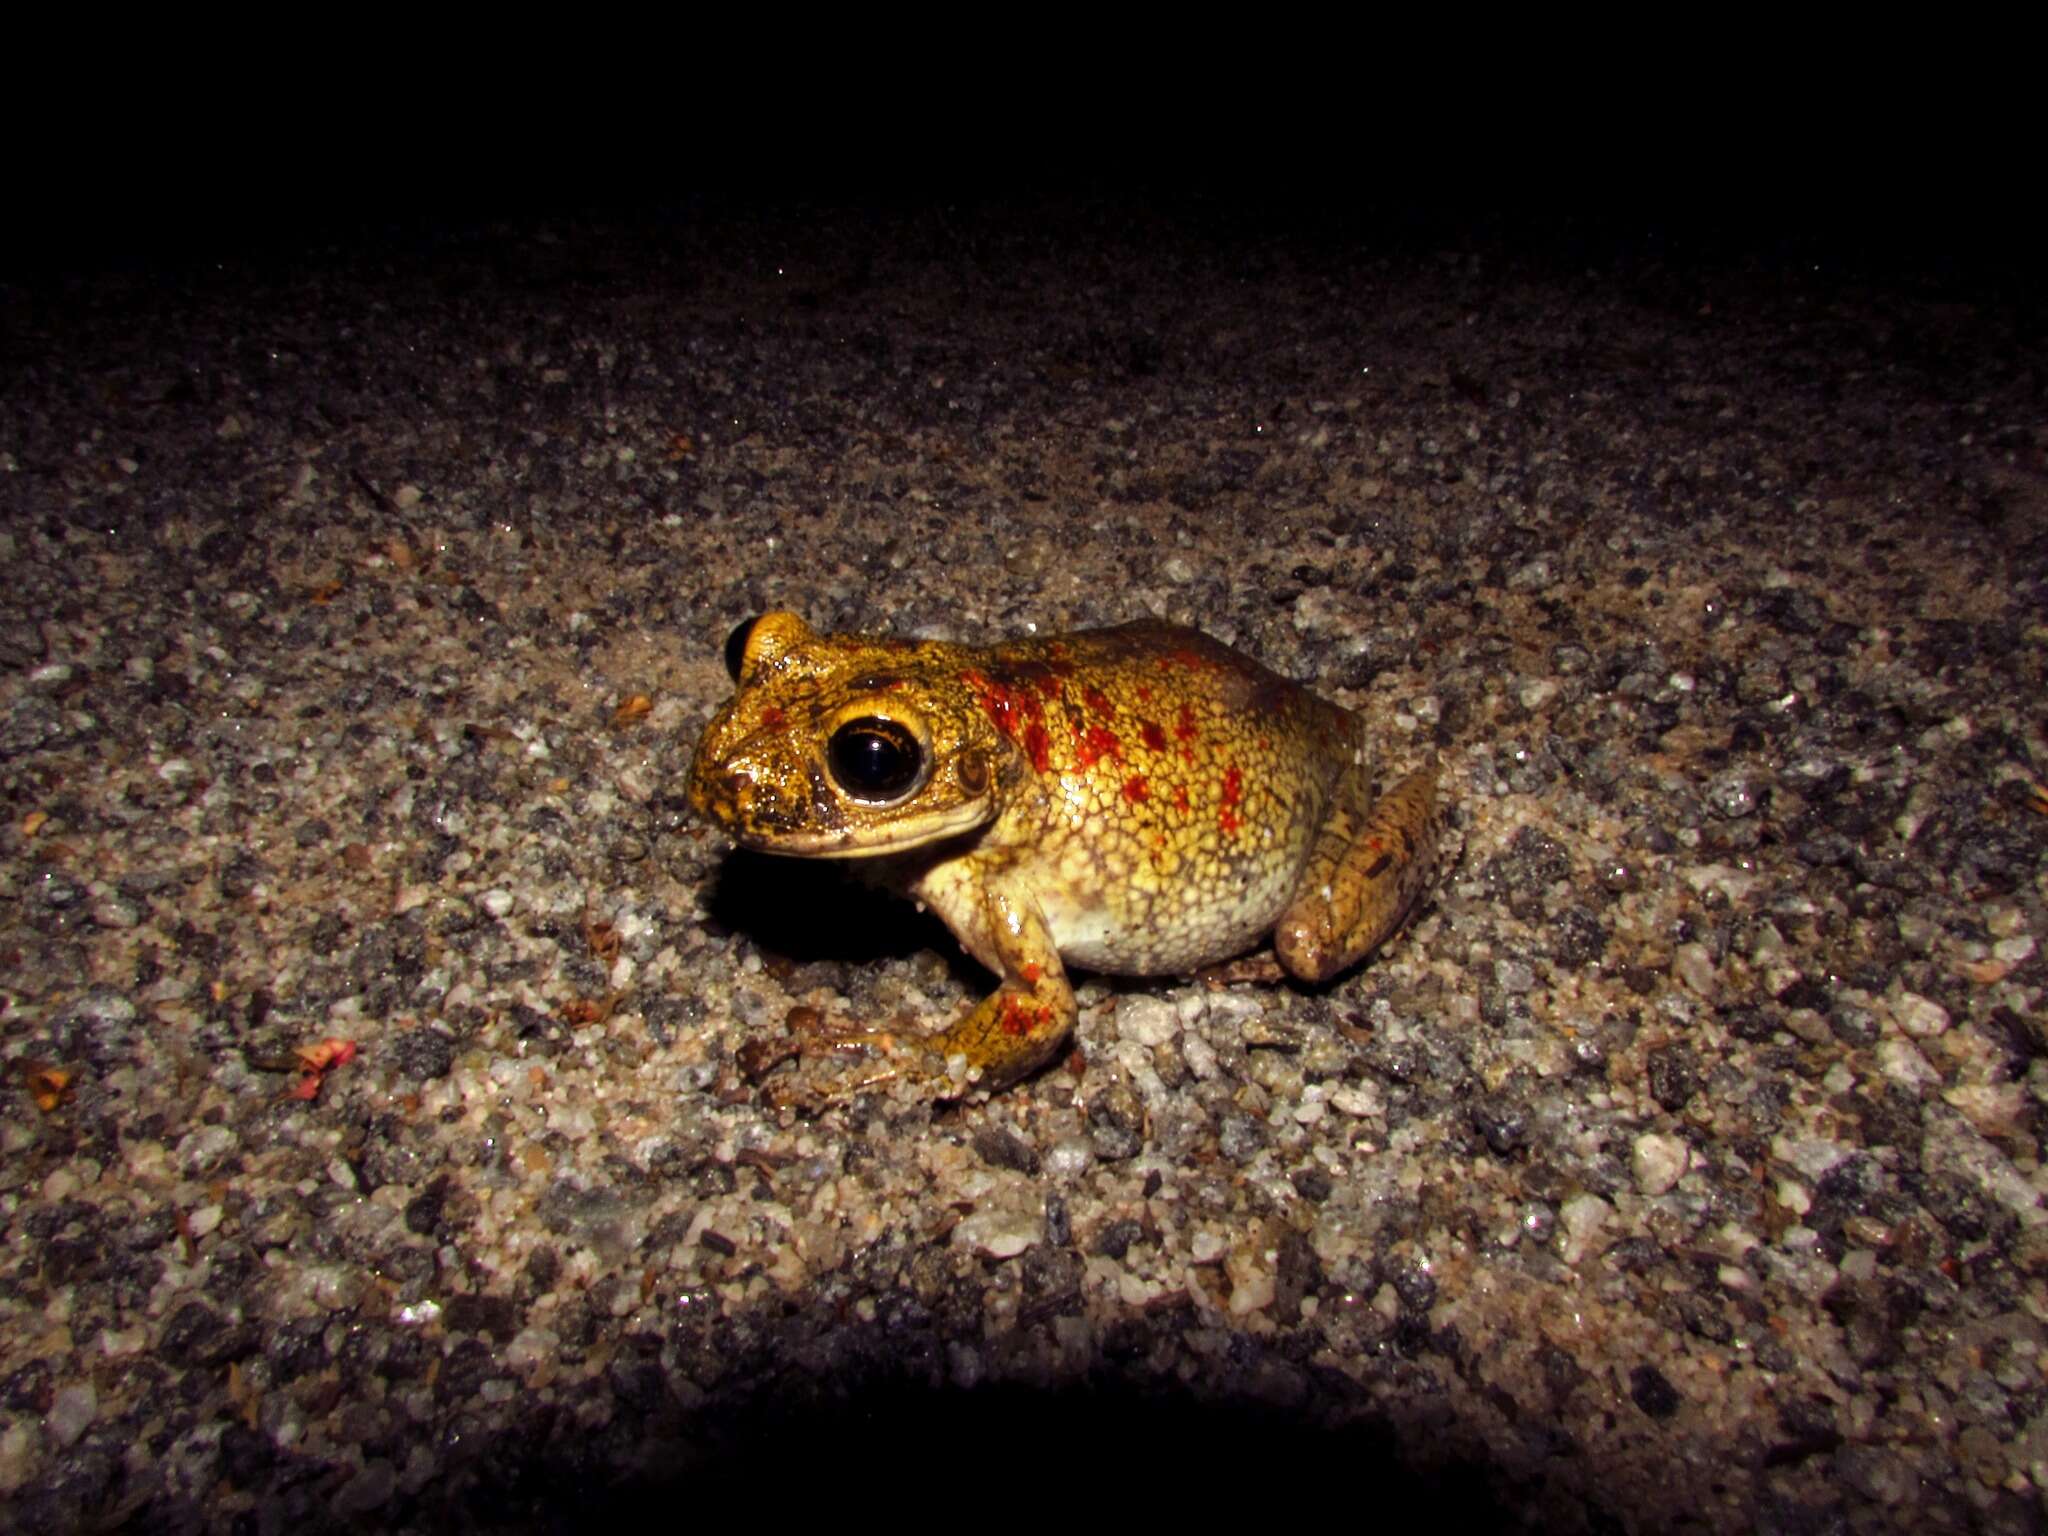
(1371, 864)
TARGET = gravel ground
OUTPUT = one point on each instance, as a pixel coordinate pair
(1679, 1169)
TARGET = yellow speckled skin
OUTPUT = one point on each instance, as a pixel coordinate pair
(1141, 800)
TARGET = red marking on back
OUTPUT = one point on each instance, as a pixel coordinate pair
(1094, 742)
(1031, 970)
(1001, 709)
(1233, 792)
(774, 718)
(1007, 706)
(1144, 693)
(1134, 789)
(1180, 799)
(1152, 736)
(1184, 723)
(1038, 745)
(1035, 679)
(1094, 699)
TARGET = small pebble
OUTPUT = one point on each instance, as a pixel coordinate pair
(1920, 1017)
(1657, 1162)
(72, 1412)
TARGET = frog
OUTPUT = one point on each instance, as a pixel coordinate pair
(1141, 800)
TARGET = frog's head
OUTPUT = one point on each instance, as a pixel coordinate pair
(844, 746)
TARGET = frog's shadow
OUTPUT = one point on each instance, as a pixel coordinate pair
(811, 911)
(815, 910)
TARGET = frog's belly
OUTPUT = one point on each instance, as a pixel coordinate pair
(1139, 931)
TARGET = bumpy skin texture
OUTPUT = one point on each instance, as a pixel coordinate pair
(1140, 800)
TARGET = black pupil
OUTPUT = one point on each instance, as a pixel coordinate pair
(875, 759)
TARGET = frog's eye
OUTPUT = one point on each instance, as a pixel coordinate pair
(736, 645)
(875, 759)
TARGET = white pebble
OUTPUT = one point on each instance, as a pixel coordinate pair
(60, 1185)
(1658, 1162)
(202, 1149)
(1069, 1157)
(530, 1347)
(1580, 1220)
(72, 1412)
(1901, 1061)
(1695, 967)
(1251, 1283)
(1362, 1101)
(120, 1343)
(1147, 1021)
(998, 1234)
(1920, 1016)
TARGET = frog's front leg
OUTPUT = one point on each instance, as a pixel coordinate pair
(1371, 864)
(1001, 1039)
(1017, 1029)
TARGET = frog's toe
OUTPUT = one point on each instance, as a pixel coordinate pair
(762, 1054)
(861, 1060)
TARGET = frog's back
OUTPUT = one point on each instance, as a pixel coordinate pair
(1181, 788)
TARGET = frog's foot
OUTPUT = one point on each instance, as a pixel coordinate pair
(1372, 862)
(808, 1040)
(1004, 1038)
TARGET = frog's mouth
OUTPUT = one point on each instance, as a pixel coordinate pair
(901, 833)
(767, 818)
